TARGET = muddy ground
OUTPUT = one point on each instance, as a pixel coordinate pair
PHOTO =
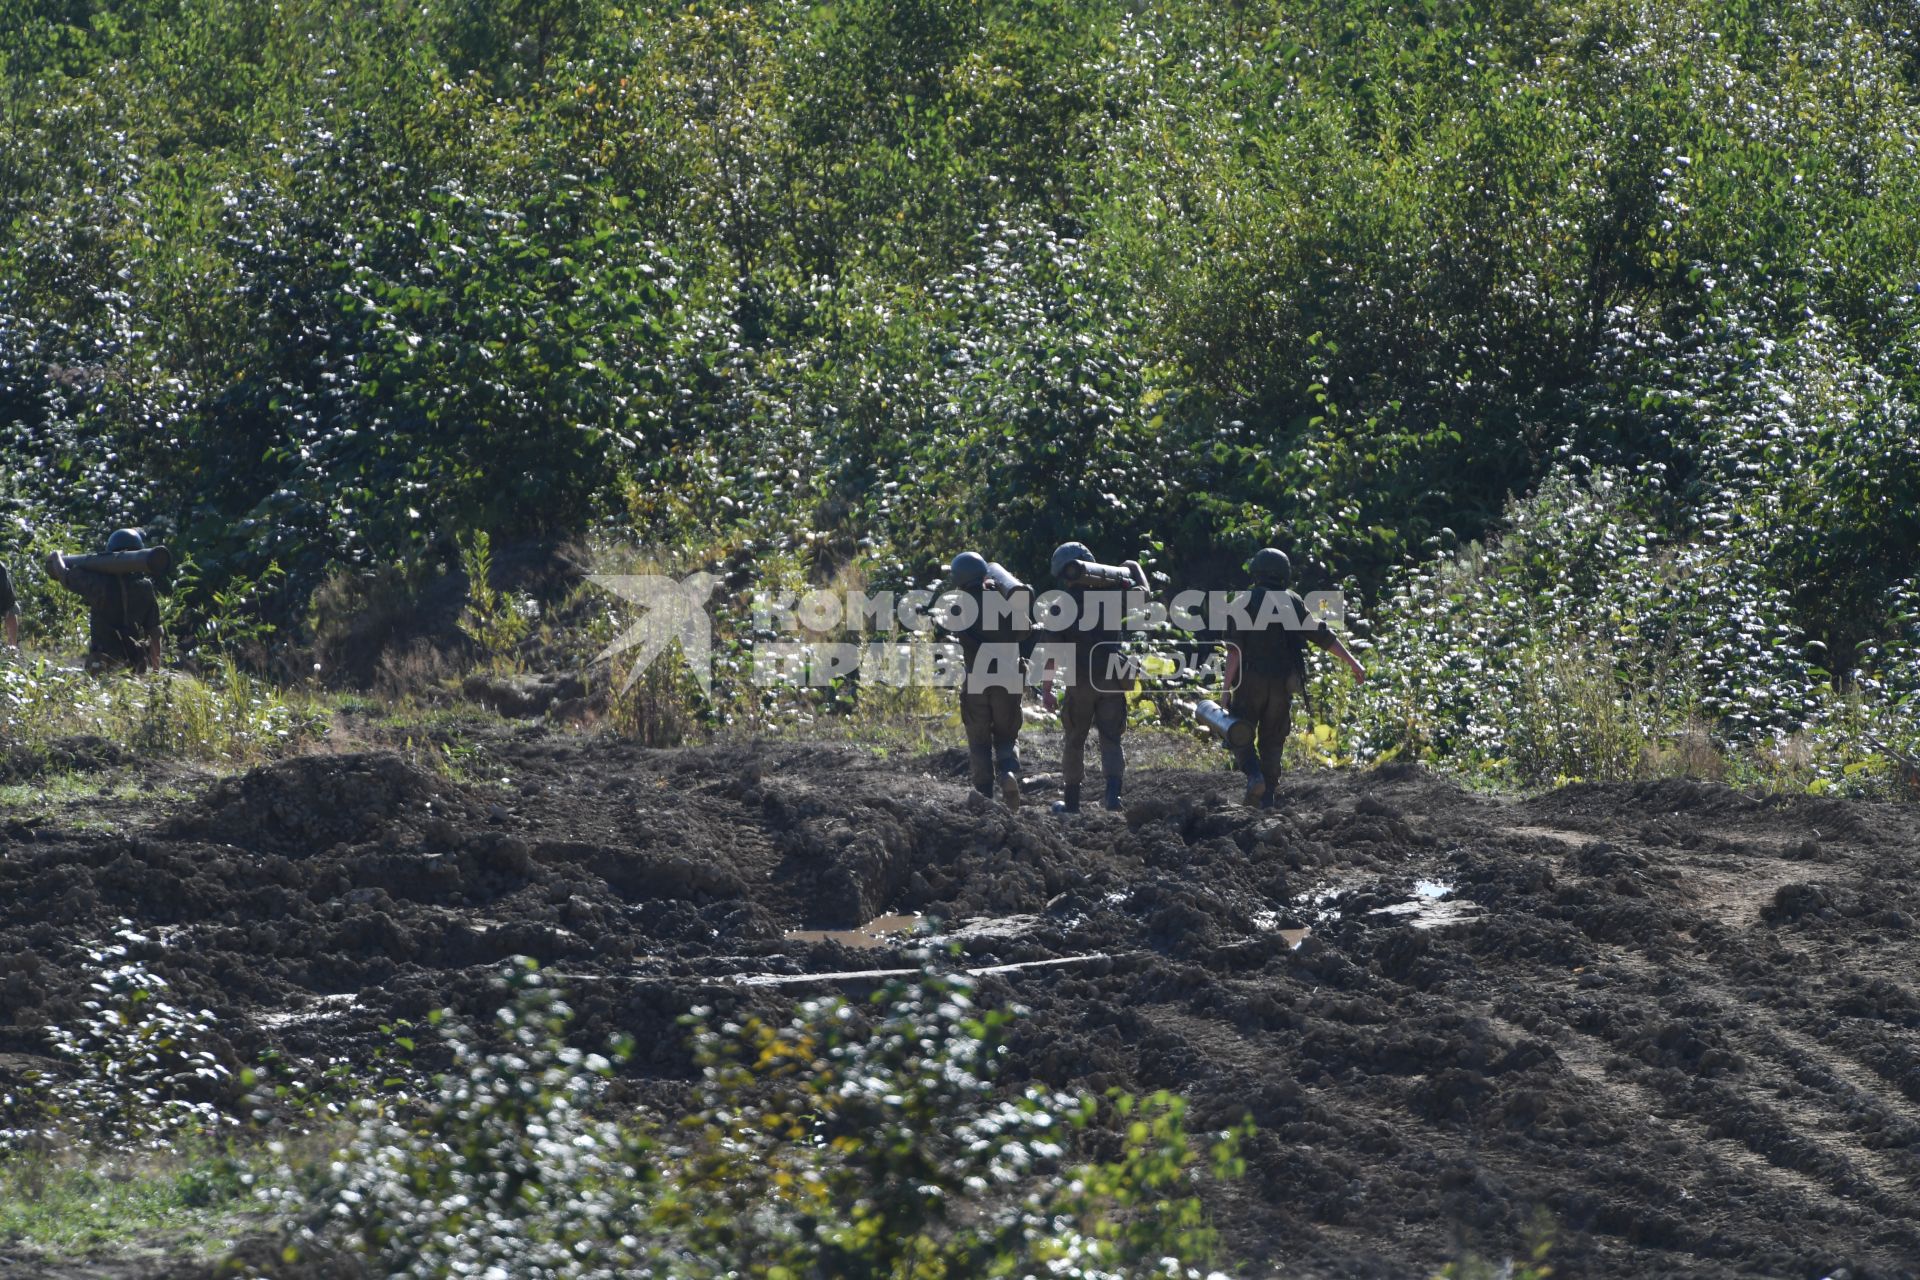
(1683, 1021)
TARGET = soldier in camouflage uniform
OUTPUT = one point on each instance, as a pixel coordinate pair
(123, 609)
(1267, 665)
(993, 646)
(1097, 686)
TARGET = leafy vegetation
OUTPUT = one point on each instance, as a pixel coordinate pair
(1453, 301)
(146, 1072)
(222, 714)
(875, 1141)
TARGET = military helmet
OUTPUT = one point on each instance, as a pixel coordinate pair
(126, 540)
(1068, 552)
(1271, 568)
(969, 569)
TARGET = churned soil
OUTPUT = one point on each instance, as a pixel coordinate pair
(1682, 1021)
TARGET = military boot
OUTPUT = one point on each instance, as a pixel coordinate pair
(980, 770)
(1010, 778)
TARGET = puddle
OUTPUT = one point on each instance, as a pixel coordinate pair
(1319, 904)
(999, 927)
(890, 931)
(1269, 922)
(322, 1007)
(881, 931)
(1425, 910)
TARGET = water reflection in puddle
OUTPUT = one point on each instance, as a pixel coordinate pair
(1426, 910)
(881, 931)
(1429, 907)
(1269, 922)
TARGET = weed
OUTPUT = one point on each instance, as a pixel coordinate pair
(495, 621)
(224, 715)
(1533, 1266)
(79, 1203)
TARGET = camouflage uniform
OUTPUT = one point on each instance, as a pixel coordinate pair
(9, 603)
(991, 692)
(1273, 668)
(1095, 699)
(123, 618)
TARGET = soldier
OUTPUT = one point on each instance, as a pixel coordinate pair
(993, 644)
(1097, 685)
(9, 607)
(1267, 666)
(124, 612)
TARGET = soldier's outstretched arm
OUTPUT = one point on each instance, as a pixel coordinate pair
(1327, 640)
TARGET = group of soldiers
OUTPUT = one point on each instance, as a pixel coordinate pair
(123, 610)
(1265, 669)
(1265, 663)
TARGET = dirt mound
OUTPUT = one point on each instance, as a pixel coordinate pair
(311, 803)
(528, 697)
(1681, 1019)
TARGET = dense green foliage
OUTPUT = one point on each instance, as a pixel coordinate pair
(312, 285)
(872, 1142)
(875, 1140)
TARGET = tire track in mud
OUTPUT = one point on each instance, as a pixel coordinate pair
(1770, 1057)
(1722, 1163)
(1654, 1010)
(1817, 1149)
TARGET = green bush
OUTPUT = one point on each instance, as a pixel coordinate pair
(330, 289)
(847, 1142)
(878, 1142)
(148, 1073)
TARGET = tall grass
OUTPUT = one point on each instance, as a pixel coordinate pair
(223, 714)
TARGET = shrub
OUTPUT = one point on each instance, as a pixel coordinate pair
(505, 1171)
(846, 1142)
(149, 1072)
(879, 1142)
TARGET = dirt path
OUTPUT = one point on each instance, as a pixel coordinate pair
(1682, 1021)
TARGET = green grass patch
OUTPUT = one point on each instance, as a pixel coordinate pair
(65, 1205)
(223, 714)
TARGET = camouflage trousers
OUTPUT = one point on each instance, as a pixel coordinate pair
(992, 721)
(1268, 702)
(1083, 710)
